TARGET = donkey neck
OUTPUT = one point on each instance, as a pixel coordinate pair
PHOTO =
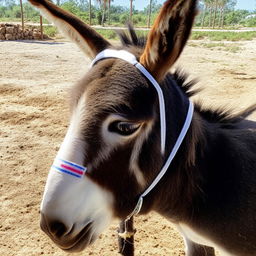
(207, 167)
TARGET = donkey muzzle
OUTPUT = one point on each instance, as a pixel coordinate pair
(64, 235)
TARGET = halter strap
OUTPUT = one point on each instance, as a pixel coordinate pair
(129, 57)
(168, 161)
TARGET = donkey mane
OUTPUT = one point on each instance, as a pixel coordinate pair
(225, 117)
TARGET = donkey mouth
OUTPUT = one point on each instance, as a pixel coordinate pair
(80, 242)
(69, 243)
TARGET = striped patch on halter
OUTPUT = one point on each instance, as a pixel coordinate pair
(69, 168)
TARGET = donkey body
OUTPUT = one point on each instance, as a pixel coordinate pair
(209, 190)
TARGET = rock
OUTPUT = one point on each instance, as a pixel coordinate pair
(37, 35)
(15, 32)
(9, 30)
(2, 30)
(9, 37)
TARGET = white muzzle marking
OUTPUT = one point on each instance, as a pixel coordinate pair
(71, 197)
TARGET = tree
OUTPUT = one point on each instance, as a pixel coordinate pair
(22, 16)
(222, 5)
(149, 12)
(131, 10)
(90, 12)
(215, 12)
(109, 5)
(206, 6)
(103, 4)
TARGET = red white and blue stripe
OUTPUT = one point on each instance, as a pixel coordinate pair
(70, 168)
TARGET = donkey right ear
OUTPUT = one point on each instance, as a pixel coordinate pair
(168, 36)
(88, 40)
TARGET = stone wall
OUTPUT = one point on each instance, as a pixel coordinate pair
(14, 32)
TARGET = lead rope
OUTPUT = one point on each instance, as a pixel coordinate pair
(126, 234)
(126, 231)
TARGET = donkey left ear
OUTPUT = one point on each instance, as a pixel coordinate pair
(87, 39)
(168, 36)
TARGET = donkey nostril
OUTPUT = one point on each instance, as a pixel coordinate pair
(54, 228)
(57, 228)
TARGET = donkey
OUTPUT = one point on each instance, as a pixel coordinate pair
(135, 143)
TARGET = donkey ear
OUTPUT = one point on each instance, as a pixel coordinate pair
(89, 41)
(168, 36)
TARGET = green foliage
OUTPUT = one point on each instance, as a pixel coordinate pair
(107, 33)
(124, 18)
(71, 6)
(221, 36)
(250, 22)
(219, 13)
(119, 15)
(110, 34)
(236, 17)
(50, 31)
(234, 48)
(139, 19)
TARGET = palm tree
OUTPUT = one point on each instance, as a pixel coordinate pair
(90, 12)
(103, 4)
(149, 12)
(22, 16)
(211, 6)
(131, 10)
(216, 2)
(222, 4)
(109, 4)
(204, 12)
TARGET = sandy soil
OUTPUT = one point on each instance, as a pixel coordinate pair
(34, 78)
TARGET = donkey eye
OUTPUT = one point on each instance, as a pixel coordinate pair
(123, 128)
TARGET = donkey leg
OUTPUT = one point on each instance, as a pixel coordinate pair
(193, 249)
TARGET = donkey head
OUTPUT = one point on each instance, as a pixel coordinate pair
(114, 128)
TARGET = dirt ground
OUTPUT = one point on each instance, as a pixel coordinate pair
(34, 78)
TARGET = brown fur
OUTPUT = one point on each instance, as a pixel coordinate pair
(166, 40)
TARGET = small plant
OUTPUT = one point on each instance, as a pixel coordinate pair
(231, 47)
(50, 31)
(107, 33)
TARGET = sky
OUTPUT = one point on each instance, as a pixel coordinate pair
(140, 4)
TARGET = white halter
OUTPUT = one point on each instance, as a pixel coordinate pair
(127, 56)
(70, 169)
